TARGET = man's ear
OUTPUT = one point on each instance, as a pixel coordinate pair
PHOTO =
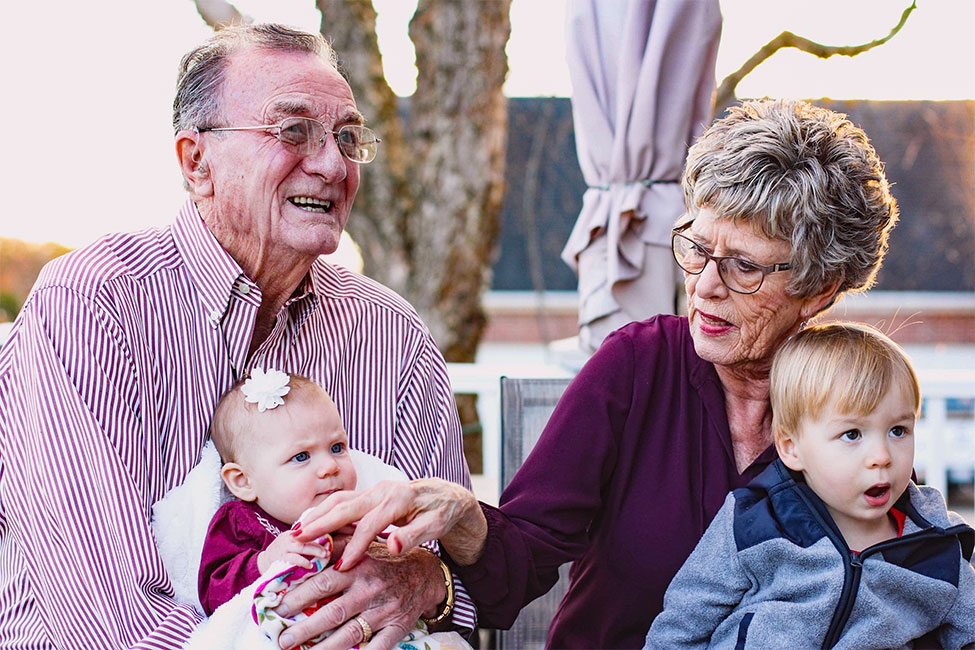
(785, 445)
(820, 301)
(192, 162)
(237, 482)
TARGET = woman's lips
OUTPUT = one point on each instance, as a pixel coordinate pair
(711, 324)
(878, 495)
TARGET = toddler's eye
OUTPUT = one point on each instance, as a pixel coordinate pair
(851, 435)
(338, 448)
(898, 432)
(301, 457)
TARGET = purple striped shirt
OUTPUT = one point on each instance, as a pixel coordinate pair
(108, 381)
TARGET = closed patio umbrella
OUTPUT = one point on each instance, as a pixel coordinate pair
(642, 84)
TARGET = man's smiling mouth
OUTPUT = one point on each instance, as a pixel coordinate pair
(311, 204)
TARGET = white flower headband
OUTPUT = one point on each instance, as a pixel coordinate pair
(266, 389)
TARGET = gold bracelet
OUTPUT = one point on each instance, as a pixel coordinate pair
(448, 581)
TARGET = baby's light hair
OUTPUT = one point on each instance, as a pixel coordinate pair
(233, 411)
(851, 365)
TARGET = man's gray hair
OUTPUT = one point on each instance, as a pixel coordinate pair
(202, 70)
(805, 175)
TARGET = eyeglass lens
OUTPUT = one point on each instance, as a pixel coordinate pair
(306, 137)
(738, 274)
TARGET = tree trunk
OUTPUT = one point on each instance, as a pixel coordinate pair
(386, 198)
(426, 218)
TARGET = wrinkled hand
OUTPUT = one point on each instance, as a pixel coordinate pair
(289, 548)
(424, 509)
(390, 593)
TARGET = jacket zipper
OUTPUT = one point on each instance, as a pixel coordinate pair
(853, 569)
(851, 575)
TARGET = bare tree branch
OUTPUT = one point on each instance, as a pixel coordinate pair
(726, 91)
(220, 13)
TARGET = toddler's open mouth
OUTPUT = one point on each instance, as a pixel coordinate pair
(878, 495)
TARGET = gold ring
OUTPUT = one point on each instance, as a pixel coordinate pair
(366, 629)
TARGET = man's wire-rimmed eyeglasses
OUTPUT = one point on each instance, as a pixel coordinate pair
(306, 137)
(738, 274)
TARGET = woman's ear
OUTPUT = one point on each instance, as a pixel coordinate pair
(785, 445)
(820, 301)
(193, 164)
(237, 482)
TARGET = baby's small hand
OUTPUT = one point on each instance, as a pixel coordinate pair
(288, 548)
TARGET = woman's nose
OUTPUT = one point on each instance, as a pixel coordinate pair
(708, 282)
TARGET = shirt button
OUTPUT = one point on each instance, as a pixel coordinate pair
(244, 288)
(215, 316)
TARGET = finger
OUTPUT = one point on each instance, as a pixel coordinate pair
(355, 549)
(425, 527)
(313, 550)
(394, 507)
(298, 560)
(386, 638)
(337, 618)
(344, 637)
(338, 510)
(320, 586)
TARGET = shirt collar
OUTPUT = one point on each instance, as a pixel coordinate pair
(304, 300)
(211, 268)
(216, 273)
(899, 518)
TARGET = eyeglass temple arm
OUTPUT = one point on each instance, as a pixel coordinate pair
(263, 127)
(266, 127)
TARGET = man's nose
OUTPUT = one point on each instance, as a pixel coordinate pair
(328, 162)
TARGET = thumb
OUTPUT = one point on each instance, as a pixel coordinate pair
(413, 534)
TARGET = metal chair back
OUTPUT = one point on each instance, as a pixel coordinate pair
(526, 405)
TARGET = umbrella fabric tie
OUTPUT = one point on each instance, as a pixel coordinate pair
(645, 182)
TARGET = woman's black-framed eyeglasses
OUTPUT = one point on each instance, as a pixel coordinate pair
(738, 274)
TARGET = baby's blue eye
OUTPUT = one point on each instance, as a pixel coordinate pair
(852, 435)
(301, 457)
(337, 448)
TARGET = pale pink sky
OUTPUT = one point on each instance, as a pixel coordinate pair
(89, 86)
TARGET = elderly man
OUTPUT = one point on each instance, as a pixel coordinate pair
(113, 369)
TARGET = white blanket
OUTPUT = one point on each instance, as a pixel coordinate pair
(179, 525)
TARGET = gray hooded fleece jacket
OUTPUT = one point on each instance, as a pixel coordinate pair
(773, 571)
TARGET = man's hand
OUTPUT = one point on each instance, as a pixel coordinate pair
(290, 549)
(389, 592)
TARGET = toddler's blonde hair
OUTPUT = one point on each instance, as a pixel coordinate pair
(848, 365)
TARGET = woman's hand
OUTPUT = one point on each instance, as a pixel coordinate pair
(424, 509)
(389, 593)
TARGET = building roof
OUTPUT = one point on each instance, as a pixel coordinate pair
(928, 149)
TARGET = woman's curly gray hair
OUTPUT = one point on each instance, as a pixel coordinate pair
(202, 69)
(806, 175)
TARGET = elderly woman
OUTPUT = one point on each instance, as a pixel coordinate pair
(788, 208)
